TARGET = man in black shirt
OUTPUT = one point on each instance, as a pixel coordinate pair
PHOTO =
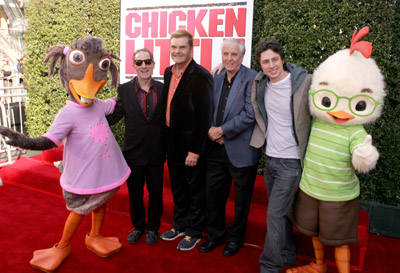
(140, 102)
(230, 155)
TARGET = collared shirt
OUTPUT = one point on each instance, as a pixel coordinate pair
(147, 99)
(226, 88)
(173, 84)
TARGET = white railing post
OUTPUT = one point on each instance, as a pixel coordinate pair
(12, 103)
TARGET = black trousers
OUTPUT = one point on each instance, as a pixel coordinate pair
(188, 191)
(220, 173)
(152, 175)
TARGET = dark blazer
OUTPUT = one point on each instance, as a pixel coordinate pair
(144, 140)
(238, 121)
(191, 111)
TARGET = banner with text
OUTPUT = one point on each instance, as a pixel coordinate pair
(148, 24)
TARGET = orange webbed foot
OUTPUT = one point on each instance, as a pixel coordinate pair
(103, 246)
(309, 268)
(48, 260)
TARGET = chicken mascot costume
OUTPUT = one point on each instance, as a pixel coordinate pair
(93, 165)
(346, 92)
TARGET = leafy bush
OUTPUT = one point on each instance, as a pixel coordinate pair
(63, 22)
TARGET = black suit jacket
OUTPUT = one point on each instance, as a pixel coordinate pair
(144, 139)
(191, 112)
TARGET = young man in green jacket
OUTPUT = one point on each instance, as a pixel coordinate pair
(283, 121)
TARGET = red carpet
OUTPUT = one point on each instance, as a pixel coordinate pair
(32, 220)
(32, 215)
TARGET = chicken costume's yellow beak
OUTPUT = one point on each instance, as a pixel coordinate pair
(341, 116)
(86, 89)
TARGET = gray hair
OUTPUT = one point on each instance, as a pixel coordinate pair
(143, 50)
(241, 45)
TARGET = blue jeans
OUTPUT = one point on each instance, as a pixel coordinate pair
(282, 177)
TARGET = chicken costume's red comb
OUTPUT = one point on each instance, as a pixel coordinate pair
(363, 46)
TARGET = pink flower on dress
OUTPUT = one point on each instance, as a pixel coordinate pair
(99, 133)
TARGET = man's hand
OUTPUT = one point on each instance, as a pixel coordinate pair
(191, 160)
(217, 69)
(215, 133)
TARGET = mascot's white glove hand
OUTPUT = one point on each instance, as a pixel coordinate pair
(365, 157)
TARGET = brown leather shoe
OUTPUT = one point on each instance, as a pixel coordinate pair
(49, 259)
(103, 246)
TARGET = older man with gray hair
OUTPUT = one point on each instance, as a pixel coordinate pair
(230, 155)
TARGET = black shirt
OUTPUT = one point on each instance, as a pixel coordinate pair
(147, 100)
(226, 88)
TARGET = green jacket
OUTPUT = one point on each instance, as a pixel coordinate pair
(301, 117)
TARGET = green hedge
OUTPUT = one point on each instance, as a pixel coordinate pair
(52, 22)
(309, 30)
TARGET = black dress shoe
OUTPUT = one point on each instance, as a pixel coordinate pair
(134, 236)
(232, 248)
(151, 237)
(209, 246)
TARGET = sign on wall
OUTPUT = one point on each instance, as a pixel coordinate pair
(149, 23)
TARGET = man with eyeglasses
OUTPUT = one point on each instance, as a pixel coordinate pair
(283, 121)
(139, 101)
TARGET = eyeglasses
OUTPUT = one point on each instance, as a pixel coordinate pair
(147, 62)
(360, 105)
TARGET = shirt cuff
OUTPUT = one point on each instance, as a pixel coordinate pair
(193, 154)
